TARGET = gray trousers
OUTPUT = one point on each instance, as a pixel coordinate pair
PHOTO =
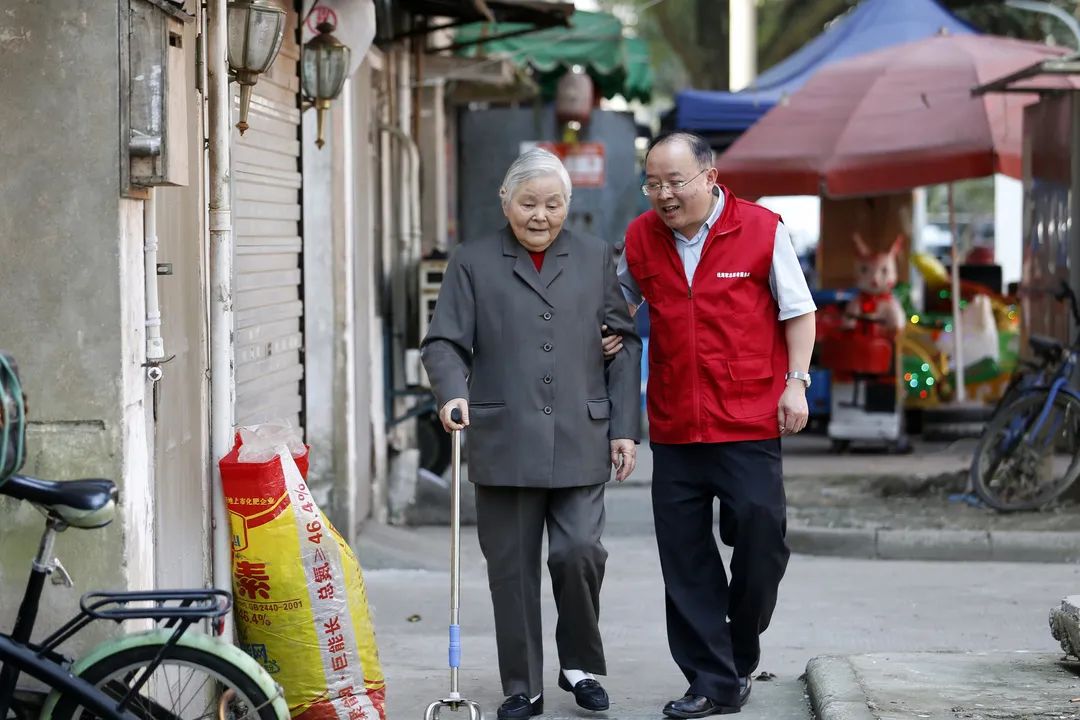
(510, 524)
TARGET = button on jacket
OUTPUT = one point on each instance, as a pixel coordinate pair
(524, 348)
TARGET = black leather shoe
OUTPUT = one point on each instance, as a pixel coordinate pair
(696, 706)
(519, 707)
(588, 693)
(745, 683)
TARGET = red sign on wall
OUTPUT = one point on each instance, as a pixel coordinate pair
(584, 161)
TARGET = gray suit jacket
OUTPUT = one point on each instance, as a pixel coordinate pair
(524, 349)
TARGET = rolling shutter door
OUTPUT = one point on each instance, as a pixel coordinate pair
(266, 204)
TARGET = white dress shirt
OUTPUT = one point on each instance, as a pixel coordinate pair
(786, 278)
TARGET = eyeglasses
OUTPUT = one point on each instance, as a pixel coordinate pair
(655, 188)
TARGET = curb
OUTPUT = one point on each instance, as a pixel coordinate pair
(930, 544)
(835, 691)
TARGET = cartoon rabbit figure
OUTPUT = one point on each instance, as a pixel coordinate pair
(875, 277)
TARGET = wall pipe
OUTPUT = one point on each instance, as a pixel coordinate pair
(409, 215)
(222, 379)
(408, 248)
(954, 288)
(155, 345)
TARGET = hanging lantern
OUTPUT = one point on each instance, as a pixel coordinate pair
(574, 97)
(256, 29)
(323, 70)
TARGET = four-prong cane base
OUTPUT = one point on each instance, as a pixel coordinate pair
(434, 709)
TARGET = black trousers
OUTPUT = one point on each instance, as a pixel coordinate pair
(714, 624)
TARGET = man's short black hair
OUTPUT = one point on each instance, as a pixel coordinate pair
(699, 147)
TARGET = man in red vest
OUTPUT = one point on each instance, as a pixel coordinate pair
(731, 333)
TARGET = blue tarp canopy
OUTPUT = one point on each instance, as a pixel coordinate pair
(872, 25)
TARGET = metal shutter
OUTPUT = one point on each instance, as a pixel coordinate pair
(266, 203)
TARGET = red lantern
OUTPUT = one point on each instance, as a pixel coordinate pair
(574, 97)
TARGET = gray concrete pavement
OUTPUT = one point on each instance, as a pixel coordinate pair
(945, 686)
(828, 606)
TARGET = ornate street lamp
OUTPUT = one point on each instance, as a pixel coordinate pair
(323, 70)
(256, 29)
(574, 100)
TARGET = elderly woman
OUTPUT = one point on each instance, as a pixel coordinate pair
(515, 343)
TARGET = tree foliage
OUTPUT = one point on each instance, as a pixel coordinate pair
(688, 39)
(997, 18)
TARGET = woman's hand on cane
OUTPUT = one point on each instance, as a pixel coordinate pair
(444, 415)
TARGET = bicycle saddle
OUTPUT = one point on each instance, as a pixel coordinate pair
(79, 503)
(1046, 347)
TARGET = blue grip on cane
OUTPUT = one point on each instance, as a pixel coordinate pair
(455, 646)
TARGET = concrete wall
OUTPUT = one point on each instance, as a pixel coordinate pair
(436, 151)
(1050, 143)
(318, 209)
(371, 445)
(1074, 207)
(63, 268)
(367, 326)
(338, 279)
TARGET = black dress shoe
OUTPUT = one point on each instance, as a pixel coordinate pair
(588, 693)
(745, 683)
(696, 706)
(519, 707)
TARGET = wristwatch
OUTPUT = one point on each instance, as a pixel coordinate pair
(801, 376)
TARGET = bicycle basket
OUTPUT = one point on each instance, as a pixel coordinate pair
(12, 418)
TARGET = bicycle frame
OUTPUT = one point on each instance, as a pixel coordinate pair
(1060, 385)
(18, 656)
(41, 661)
(1053, 384)
(23, 659)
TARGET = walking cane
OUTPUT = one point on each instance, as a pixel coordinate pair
(454, 701)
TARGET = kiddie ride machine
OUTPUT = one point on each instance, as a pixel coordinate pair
(860, 351)
(859, 346)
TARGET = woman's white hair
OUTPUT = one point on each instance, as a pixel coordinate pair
(530, 165)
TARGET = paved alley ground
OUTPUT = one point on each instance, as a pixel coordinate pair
(827, 606)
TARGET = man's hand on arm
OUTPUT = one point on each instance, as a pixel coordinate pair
(444, 414)
(623, 457)
(610, 342)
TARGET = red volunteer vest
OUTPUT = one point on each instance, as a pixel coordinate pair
(717, 352)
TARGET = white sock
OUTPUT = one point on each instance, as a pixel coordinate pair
(576, 676)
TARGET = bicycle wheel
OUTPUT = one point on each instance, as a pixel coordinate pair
(189, 683)
(1017, 468)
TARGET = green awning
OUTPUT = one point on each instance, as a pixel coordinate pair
(639, 73)
(594, 40)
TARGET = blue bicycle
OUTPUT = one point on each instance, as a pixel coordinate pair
(1029, 452)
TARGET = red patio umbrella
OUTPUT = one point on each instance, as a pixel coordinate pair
(890, 120)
